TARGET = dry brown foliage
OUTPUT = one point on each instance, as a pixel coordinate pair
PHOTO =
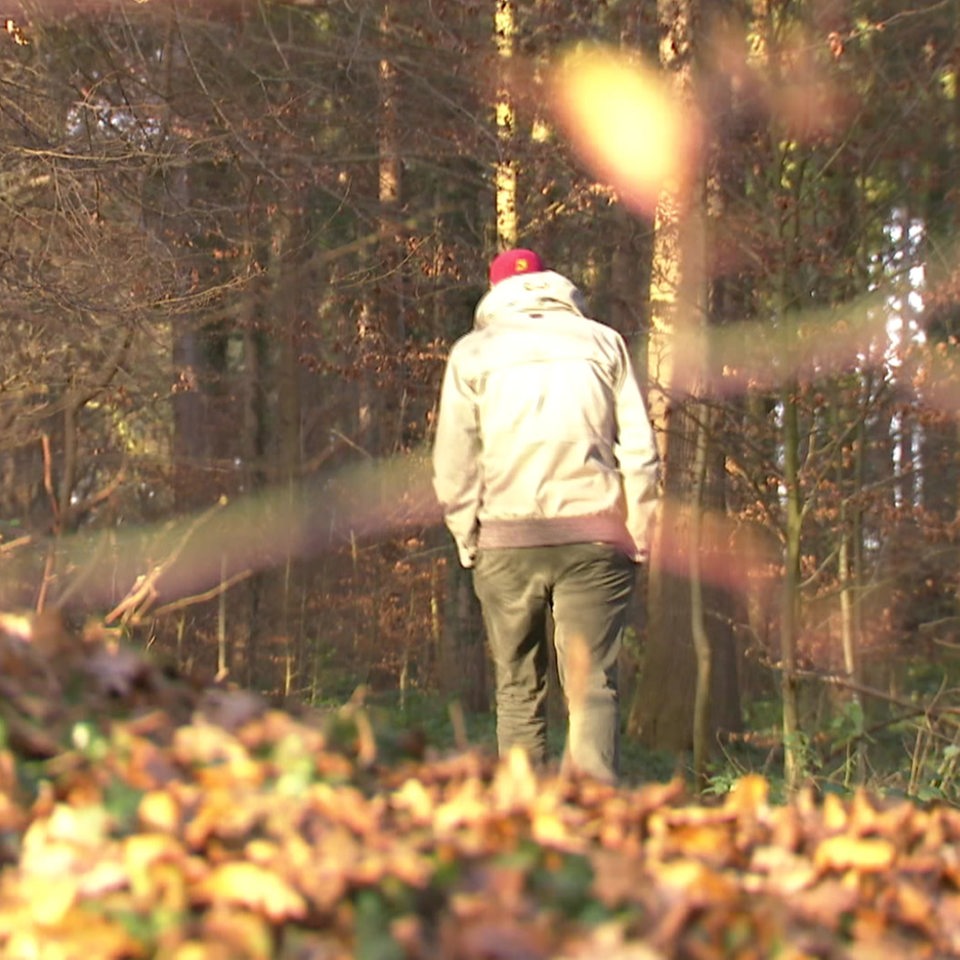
(142, 815)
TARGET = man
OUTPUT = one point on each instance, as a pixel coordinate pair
(546, 468)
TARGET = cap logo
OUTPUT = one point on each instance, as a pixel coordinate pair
(511, 263)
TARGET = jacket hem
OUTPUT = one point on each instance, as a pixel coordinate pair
(554, 531)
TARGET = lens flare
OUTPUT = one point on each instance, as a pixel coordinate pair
(800, 346)
(135, 571)
(732, 554)
(622, 120)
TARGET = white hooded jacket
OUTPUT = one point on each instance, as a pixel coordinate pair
(542, 436)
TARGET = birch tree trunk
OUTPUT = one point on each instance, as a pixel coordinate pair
(664, 703)
(849, 574)
(505, 175)
(390, 299)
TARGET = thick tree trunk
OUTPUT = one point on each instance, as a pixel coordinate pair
(463, 663)
(689, 688)
(662, 711)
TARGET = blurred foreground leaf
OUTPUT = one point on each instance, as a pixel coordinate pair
(238, 831)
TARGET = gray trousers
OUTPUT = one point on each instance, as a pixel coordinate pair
(588, 587)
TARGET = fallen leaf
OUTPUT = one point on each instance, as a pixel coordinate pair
(253, 887)
(853, 853)
(49, 897)
(159, 810)
(748, 796)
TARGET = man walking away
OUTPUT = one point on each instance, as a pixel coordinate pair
(546, 468)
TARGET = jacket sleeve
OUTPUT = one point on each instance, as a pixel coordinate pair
(638, 459)
(456, 462)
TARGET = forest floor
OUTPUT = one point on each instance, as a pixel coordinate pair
(142, 815)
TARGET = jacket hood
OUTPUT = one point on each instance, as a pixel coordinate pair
(528, 293)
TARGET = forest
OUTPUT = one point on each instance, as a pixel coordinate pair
(253, 718)
(240, 237)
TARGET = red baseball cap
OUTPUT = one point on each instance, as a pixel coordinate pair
(511, 262)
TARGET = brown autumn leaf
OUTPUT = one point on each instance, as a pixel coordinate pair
(468, 804)
(232, 708)
(504, 937)
(911, 905)
(13, 818)
(781, 871)
(82, 934)
(224, 812)
(49, 897)
(247, 885)
(218, 757)
(825, 904)
(142, 852)
(159, 810)
(695, 882)
(26, 738)
(515, 784)
(612, 942)
(416, 800)
(243, 934)
(866, 855)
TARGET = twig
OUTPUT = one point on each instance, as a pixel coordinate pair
(15, 544)
(838, 680)
(48, 477)
(133, 607)
(220, 588)
(343, 438)
(105, 493)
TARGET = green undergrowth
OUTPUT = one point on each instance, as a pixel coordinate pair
(444, 725)
(911, 753)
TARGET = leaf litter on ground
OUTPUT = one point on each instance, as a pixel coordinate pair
(142, 815)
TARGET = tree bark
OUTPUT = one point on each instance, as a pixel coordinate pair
(794, 747)
(663, 707)
(701, 636)
(505, 173)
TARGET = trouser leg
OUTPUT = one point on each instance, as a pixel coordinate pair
(591, 598)
(514, 601)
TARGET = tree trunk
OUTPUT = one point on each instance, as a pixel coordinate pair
(505, 174)
(794, 749)
(701, 638)
(849, 575)
(390, 286)
(664, 703)
(630, 283)
(464, 658)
